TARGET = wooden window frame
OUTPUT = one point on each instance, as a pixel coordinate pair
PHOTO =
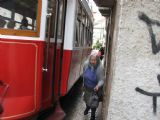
(27, 33)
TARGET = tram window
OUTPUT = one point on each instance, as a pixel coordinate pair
(52, 9)
(79, 13)
(82, 34)
(19, 15)
(60, 19)
(83, 17)
(85, 34)
(86, 20)
(88, 38)
(85, 37)
(77, 40)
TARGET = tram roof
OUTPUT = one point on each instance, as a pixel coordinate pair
(104, 6)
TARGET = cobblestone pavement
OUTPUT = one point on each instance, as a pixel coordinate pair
(74, 106)
(70, 107)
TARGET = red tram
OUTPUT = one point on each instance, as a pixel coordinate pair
(43, 44)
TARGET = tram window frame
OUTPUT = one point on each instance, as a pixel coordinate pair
(28, 33)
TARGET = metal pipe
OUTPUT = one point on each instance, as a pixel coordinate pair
(61, 50)
(55, 46)
(45, 68)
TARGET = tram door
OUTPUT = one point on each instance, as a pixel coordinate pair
(53, 51)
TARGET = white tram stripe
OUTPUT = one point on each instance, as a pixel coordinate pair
(70, 24)
(21, 37)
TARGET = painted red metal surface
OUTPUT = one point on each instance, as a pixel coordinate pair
(67, 55)
(21, 68)
(72, 67)
(30, 89)
(47, 81)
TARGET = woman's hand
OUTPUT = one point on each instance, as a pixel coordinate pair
(96, 88)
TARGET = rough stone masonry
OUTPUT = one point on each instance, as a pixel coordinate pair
(136, 64)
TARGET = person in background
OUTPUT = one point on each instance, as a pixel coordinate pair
(101, 52)
(93, 79)
(24, 24)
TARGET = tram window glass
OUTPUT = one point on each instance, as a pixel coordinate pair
(60, 19)
(87, 33)
(88, 38)
(77, 40)
(82, 34)
(83, 17)
(79, 12)
(19, 15)
(86, 20)
(52, 7)
(85, 39)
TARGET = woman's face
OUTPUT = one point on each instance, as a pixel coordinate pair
(93, 60)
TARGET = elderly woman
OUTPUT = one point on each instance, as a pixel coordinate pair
(93, 79)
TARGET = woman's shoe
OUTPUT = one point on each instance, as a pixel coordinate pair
(86, 111)
(92, 118)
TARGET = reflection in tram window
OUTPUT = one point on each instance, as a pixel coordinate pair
(60, 19)
(51, 9)
(18, 14)
(2, 23)
(84, 29)
(24, 24)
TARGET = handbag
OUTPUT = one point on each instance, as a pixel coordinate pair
(94, 100)
(100, 94)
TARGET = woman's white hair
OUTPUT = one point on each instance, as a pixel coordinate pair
(94, 53)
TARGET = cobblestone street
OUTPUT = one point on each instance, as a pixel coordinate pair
(74, 105)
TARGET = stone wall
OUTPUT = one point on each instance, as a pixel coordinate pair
(136, 61)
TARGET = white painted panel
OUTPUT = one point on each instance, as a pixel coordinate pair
(70, 24)
(43, 19)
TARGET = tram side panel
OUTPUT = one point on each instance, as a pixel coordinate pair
(76, 45)
(21, 63)
(75, 67)
(22, 55)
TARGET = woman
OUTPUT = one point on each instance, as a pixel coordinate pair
(93, 79)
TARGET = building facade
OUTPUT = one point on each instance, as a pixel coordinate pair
(133, 79)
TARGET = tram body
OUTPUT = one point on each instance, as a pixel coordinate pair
(40, 63)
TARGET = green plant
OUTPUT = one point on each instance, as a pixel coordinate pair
(97, 45)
